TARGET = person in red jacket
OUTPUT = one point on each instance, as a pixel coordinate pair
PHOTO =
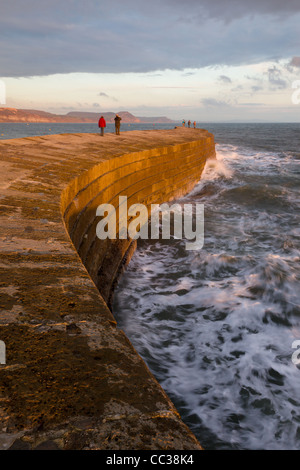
(102, 124)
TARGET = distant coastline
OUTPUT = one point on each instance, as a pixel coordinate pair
(31, 115)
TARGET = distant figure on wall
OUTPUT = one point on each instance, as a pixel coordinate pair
(183, 123)
(189, 123)
(117, 124)
(102, 125)
(194, 124)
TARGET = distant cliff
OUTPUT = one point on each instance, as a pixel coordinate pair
(31, 115)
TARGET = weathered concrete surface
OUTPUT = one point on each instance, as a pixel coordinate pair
(72, 379)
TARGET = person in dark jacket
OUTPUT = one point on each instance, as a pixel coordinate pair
(102, 124)
(117, 124)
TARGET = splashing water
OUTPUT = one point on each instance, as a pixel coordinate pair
(216, 326)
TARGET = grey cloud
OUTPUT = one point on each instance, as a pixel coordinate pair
(176, 87)
(252, 104)
(212, 102)
(237, 88)
(275, 79)
(105, 95)
(225, 79)
(232, 9)
(156, 75)
(256, 88)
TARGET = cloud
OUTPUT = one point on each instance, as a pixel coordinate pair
(212, 102)
(256, 88)
(43, 38)
(233, 9)
(176, 87)
(251, 104)
(105, 95)
(275, 79)
(237, 88)
(225, 79)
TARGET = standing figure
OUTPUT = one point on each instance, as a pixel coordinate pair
(117, 124)
(183, 123)
(194, 124)
(189, 123)
(102, 124)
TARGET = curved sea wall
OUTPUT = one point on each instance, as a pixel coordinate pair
(71, 378)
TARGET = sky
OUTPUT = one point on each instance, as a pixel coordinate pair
(204, 60)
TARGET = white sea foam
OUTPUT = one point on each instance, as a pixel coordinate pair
(216, 326)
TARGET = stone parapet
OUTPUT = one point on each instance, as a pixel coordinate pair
(72, 379)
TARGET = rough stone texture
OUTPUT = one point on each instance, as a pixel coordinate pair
(72, 379)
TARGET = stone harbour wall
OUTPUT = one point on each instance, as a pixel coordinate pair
(72, 379)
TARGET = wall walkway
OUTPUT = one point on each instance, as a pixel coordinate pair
(72, 379)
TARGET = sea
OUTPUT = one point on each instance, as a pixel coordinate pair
(219, 327)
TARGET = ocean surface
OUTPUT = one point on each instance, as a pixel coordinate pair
(217, 326)
(17, 130)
